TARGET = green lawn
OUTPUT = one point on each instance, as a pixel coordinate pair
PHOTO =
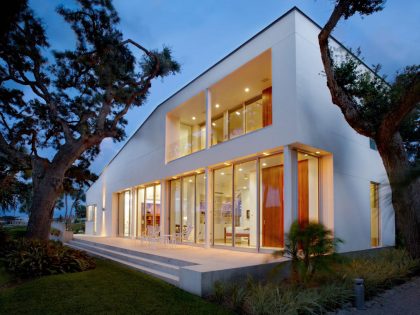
(108, 289)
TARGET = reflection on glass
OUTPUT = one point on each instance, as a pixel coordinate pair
(149, 207)
(157, 206)
(140, 212)
(185, 128)
(236, 122)
(188, 194)
(222, 199)
(175, 216)
(124, 217)
(245, 204)
(307, 188)
(271, 201)
(254, 114)
(200, 208)
(217, 130)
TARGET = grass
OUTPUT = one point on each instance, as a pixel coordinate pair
(108, 289)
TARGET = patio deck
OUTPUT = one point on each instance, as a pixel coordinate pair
(197, 267)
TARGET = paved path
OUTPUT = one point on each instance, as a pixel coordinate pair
(401, 300)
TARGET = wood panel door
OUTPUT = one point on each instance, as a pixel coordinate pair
(303, 193)
(272, 207)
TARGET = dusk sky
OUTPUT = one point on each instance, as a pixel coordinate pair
(202, 32)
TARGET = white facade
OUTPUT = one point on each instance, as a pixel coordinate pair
(303, 120)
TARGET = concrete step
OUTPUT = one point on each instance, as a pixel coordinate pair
(128, 261)
(141, 261)
(162, 259)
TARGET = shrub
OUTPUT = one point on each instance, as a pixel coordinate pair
(33, 258)
(4, 239)
(382, 271)
(311, 247)
(55, 232)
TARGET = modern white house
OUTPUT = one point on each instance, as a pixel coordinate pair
(243, 150)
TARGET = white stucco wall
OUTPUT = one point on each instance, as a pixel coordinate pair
(302, 113)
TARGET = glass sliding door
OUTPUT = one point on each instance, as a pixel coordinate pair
(245, 204)
(149, 206)
(175, 211)
(157, 207)
(124, 214)
(200, 207)
(271, 202)
(141, 219)
(188, 207)
(222, 207)
(307, 188)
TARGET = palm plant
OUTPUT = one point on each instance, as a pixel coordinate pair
(311, 247)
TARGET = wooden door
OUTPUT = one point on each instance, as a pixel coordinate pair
(303, 193)
(272, 207)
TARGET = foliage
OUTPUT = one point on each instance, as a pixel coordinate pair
(34, 258)
(311, 247)
(388, 113)
(110, 288)
(55, 232)
(56, 107)
(326, 292)
(383, 271)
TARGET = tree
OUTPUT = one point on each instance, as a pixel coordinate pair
(384, 112)
(57, 106)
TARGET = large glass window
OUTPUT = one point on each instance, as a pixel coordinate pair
(271, 201)
(307, 188)
(222, 206)
(186, 128)
(188, 207)
(242, 101)
(175, 214)
(124, 213)
(374, 215)
(245, 204)
(141, 219)
(200, 207)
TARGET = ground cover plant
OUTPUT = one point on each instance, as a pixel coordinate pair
(320, 280)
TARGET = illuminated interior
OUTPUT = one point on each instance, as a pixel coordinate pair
(374, 215)
(186, 128)
(241, 102)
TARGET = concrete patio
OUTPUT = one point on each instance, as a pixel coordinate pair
(192, 268)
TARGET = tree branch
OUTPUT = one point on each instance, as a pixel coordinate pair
(340, 98)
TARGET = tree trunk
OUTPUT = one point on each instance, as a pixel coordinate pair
(405, 197)
(47, 186)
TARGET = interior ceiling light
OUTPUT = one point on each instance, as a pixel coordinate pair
(174, 177)
(246, 90)
(306, 154)
(226, 163)
(190, 180)
(240, 170)
(264, 164)
(193, 117)
(213, 124)
(265, 153)
(317, 152)
(222, 173)
(244, 187)
(238, 113)
(217, 105)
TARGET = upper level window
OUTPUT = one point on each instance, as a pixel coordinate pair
(241, 102)
(372, 144)
(186, 128)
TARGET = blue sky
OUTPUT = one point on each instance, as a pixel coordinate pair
(202, 32)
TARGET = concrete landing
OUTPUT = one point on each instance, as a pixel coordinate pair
(200, 266)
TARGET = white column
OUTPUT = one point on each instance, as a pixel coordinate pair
(290, 187)
(209, 208)
(208, 118)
